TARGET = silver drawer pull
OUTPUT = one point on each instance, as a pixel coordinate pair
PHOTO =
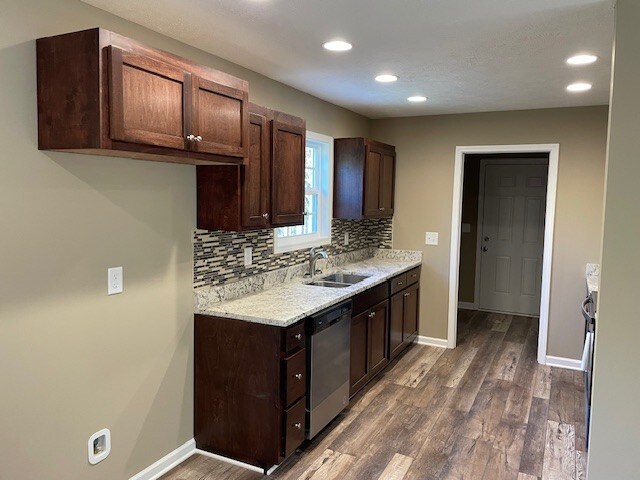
(191, 138)
(372, 314)
(298, 425)
(298, 376)
(198, 138)
(400, 283)
(298, 336)
(407, 294)
(265, 215)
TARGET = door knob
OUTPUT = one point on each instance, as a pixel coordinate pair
(485, 249)
(486, 239)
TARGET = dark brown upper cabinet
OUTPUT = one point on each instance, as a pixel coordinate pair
(364, 178)
(269, 190)
(105, 94)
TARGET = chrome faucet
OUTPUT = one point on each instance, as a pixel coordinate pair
(313, 258)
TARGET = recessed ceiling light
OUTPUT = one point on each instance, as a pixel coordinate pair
(386, 78)
(583, 59)
(579, 87)
(337, 46)
(417, 98)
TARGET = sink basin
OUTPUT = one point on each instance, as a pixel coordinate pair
(341, 277)
(322, 283)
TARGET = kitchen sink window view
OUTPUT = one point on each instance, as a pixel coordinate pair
(400, 244)
(318, 173)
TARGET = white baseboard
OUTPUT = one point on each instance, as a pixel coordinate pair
(562, 362)
(434, 342)
(467, 306)
(167, 462)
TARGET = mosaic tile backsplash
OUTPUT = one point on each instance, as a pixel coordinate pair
(219, 255)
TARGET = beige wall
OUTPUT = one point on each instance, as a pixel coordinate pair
(614, 450)
(74, 360)
(425, 147)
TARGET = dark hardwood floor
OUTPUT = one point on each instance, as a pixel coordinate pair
(485, 410)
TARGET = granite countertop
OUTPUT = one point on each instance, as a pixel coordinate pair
(290, 302)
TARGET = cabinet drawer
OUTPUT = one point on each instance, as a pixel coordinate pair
(369, 298)
(398, 283)
(295, 337)
(295, 380)
(294, 427)
(413, 276)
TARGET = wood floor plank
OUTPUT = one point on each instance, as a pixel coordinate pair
(535, 438)
(581, 465)
(397, 468)
(504, 367)
(461, 367)
(501, 322)
(542, 381)
(329, 465)
(428, 356)
(434, 414)
(559, 454)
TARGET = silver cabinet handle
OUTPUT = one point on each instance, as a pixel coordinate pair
(400, 283)
(298, 376)
(407, 294)
(198, 138)
(382, 209)
(265, 215)
(372, 314)
(191, 138)
(298, 425)
(298, 336)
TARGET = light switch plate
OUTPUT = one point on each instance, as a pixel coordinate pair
(248, 256)
(431, 238)
(115, 283)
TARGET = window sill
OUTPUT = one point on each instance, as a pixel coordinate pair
(288, 245)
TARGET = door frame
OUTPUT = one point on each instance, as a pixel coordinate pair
(483, 165)
(553, 150)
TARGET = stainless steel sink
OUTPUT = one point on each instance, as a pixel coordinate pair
(341, 277)
(338, 280)
(322, 283)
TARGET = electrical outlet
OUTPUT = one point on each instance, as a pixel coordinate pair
(114, 280)
(248, 256)
(346, 238)
(431, 238)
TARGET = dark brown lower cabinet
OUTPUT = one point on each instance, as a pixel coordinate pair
(250, 389)
(404, 314)
(369, 346)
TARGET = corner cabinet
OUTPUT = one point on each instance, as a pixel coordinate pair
(250, 389)
(364, 179)
(104, 94)
(268, 191)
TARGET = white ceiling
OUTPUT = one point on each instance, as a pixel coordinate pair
(465, 55)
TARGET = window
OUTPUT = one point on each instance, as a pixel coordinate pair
(318, 176)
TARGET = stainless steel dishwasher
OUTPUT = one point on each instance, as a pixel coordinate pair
(328, 344)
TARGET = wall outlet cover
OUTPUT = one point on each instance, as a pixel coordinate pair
(431, 238)
(346, 238)
(115, 281)
(248, 256)
(99, 446)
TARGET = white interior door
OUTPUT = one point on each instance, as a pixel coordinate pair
(512, 238)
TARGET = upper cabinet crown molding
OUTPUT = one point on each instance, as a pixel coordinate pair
(364, 179)
(105, 94)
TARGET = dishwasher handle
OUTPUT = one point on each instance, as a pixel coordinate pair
(328, 317)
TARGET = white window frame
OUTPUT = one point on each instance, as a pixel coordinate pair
(325, 205)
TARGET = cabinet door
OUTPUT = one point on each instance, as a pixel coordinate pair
(396, 324)
(148, 100)
(373, 162)
(358, 353)
(255, 175)
(387, 181)
(411, 306)
(287, 173)
(220, 119)
(378, 337)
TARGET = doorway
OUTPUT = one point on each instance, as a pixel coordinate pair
(511, 236)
